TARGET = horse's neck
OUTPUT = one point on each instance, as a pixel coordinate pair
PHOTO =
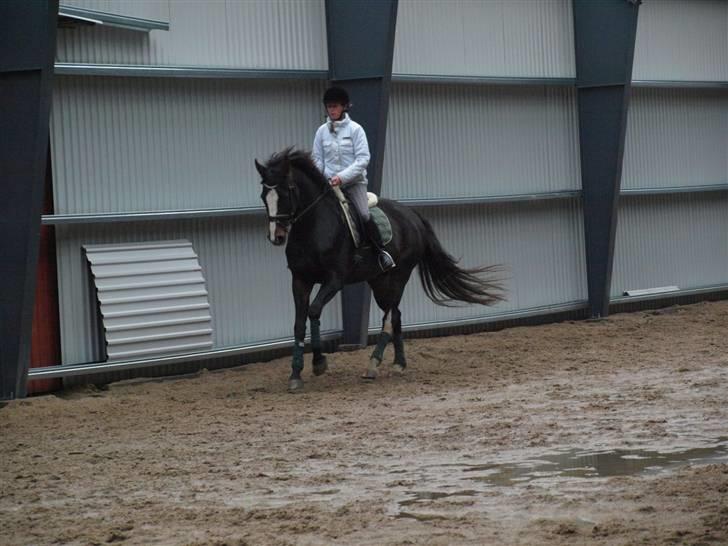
(318, 221)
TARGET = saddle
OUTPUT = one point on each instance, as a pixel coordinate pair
(380, 218)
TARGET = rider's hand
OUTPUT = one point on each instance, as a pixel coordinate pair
(335, 181)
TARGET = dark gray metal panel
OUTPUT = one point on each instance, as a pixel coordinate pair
(604, 38)
(27, 49)
(360, 36)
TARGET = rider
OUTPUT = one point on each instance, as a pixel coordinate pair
(341, 153)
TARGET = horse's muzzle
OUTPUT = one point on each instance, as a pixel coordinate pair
(279, 235)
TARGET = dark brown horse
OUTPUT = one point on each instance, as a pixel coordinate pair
(303, 210)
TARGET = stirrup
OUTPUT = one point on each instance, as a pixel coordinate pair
(385, 261)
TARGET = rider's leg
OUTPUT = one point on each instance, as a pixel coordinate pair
(357, 195)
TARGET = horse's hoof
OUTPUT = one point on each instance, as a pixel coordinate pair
(397, 369)
(295, 385)
(320, 366)
(372, 372)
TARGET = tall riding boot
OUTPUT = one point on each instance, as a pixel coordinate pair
(386, 262)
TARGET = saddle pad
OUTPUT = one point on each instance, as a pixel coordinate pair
(380, 219)
(383, 224)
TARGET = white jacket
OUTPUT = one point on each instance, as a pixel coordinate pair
(343, 151)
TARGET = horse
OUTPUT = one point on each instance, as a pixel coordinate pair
(303, 211)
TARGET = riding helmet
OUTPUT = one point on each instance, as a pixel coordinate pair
(337, 95)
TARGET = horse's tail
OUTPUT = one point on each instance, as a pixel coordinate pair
(445, 282)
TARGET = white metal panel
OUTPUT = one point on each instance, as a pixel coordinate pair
(485, 38)
(269, 34)
(679, 240)
(676, 137)
(678, 40)
(540, 245)
(152, 284)
(471, 141)
(247, 281)
(156, 10)
(138, 144)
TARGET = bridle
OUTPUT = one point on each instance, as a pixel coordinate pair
(287, 220)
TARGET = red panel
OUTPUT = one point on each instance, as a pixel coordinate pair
(45, 347)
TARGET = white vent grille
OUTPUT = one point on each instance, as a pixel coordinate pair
(152, 299)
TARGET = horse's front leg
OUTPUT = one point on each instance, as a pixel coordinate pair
(327, 291)
(301, 294)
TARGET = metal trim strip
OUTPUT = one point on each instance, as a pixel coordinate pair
(111, 19)
(681, 84)
(671, 295)
(674, 190)
(66, 219)
(480, 80)
(170, 71)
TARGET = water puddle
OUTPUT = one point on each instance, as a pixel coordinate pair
(555, 466)
(581, 464)
(419, 496)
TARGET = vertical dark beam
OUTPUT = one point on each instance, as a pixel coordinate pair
(27, 51)
(604, 38)
(360, 36)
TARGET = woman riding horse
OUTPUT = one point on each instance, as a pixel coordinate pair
(341, 153)
(303, 210)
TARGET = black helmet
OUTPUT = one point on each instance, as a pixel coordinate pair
(337, 95)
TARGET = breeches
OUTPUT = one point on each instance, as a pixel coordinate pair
(357, 195)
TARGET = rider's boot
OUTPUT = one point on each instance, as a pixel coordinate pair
(385, 260)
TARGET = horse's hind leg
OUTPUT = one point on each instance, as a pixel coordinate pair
(319, 360)
(384, 337)
(400, 362)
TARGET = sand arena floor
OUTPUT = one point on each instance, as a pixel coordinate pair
(560, 434)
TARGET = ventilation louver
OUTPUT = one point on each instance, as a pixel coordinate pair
(152, 299)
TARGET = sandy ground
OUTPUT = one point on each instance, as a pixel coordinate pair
(456, 451)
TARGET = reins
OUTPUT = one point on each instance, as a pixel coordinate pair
(298, 216)
(294, 217)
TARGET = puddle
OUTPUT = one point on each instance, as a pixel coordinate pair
(581, 464)
(419, 496)
(555, 466)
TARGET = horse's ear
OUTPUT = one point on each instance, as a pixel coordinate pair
(260, 169)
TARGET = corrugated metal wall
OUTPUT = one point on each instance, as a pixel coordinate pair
(678, 40)
(479, 141)
(676, 138)
(137, 144)
(540, 245)
(270, 34)
(475, 140)
(671, 240)
(485, 38)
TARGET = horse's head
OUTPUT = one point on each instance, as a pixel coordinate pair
(280, 196)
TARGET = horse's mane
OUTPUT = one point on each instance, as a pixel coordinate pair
(299, 159)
